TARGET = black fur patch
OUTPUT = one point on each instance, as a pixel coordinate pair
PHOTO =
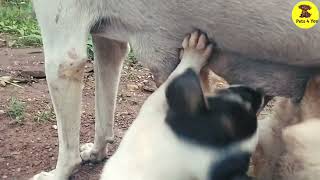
(247, 94)
(219, 123)
(233, 167)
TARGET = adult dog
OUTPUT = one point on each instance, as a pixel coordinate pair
(259, 46)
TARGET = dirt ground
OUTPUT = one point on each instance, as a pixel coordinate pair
(30, 146)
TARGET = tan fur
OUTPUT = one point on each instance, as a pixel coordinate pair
(301, 161)
(288, 146)
(311, 100)
(211, 81)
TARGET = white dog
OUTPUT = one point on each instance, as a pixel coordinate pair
(181, 135)
(248, 34)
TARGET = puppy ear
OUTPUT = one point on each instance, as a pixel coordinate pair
(184, 93)
(255, 96)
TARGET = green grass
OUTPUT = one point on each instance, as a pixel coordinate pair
(90, 51)
(132, 58)
(45, 116)
(18, 21)
(16, 110)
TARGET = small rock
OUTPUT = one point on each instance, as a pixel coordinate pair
(132, 87)
(124, 113)
(55, 127)
(128, 94)
(2, 112)
(15, 153)
(133, 102)
(140, 85)
(4, 177)
(149, 86)
(89, 67)
(35, 74)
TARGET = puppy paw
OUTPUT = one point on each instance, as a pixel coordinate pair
(196, 50)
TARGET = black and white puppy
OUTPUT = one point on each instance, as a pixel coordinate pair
(181, 135)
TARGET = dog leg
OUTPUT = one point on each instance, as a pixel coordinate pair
(64, 42)
(109, 56)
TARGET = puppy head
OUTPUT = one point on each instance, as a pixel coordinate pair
(227, 117)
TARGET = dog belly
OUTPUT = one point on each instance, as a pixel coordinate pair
(259, 31)
(275, 78)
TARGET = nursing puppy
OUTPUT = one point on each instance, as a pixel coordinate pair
(181, 135)
(288, 146)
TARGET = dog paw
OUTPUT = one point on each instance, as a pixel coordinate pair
(89, 153)
(196, 49)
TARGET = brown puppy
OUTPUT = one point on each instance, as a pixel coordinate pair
(288, 145)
